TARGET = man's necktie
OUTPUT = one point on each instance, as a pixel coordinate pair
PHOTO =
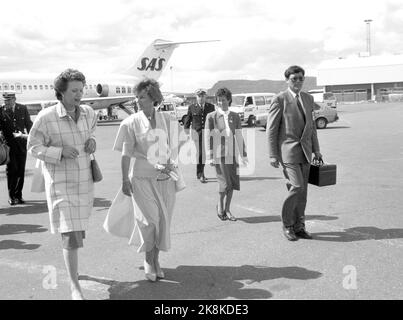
(300, 107)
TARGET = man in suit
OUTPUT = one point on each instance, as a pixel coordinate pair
(292, 139)
(15, 125)
(196, 117)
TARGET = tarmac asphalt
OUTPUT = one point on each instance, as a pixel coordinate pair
(357, 224)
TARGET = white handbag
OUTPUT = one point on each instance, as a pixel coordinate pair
(38, 180)
(120, 220)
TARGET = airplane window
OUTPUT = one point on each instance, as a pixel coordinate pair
(117, 89)
(51, 86)
(129, 90)
(24, 87)
(0, 87)
(46, 87)
(35, 87)
(5, 86)
(11, 87)
(123, 90)
(41, 87)
(30, 87)
(86, 87)
(18, 87)
(90, 86)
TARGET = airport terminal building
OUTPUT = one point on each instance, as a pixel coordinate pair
(376, 78)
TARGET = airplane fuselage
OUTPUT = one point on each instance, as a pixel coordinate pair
(37, 90)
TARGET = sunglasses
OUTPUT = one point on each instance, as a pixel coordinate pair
(295, 79)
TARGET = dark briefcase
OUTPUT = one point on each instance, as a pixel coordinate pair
(322, 175)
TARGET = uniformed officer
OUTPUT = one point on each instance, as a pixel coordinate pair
(15, 124)
(196, 117)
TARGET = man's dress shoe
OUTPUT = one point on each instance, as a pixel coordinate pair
(303, 234)
(289, 234)
(12, 202)
(203, 179)
(20, 200)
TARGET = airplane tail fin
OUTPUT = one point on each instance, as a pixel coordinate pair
(155, 58)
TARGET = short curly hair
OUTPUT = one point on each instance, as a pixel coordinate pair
(224, 92)
(62, 80)
(152, 88)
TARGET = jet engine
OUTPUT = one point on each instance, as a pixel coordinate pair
(102, 90)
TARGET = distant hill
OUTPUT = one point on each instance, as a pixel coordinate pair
(245, 86)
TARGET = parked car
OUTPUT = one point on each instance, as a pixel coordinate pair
(178, 111)
(322, 115)
(327, 98)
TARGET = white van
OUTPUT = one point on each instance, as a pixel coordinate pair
(251, 104)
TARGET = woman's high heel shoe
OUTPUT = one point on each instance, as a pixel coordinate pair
(221, 214)
(160, 273)
(151, 276)
(230, 216)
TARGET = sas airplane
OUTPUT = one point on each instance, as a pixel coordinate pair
(36, 90)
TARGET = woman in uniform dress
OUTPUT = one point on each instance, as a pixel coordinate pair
(223, 129)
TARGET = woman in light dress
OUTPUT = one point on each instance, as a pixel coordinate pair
(145, 136)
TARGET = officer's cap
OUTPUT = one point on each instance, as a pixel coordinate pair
(8, 95)
(200, 92)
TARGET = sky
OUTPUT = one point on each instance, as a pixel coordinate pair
(259, 39)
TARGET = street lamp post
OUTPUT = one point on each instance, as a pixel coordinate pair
(368, 22)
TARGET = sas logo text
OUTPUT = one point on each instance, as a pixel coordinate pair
(155, 64)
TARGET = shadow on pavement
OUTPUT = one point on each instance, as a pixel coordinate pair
(30, 207)
(259, 178)
(40, 206)
(14, 244)
(204, 282)
(20, 228)
(268, 219)
(359, 234)
(338, 127)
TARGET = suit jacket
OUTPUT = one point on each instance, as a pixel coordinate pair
(290, 139)
(218, 143)
(19, 121)
(196, 117)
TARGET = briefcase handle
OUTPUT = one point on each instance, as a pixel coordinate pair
(317, 162)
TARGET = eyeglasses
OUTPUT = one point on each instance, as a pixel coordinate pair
(295, 79)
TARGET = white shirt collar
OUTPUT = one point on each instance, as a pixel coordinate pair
(61, 110)
(293, 93)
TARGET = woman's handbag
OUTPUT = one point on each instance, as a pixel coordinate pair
(4, 152)
(38, 180)
(120, 220)
(96, 171)
(180, 182)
